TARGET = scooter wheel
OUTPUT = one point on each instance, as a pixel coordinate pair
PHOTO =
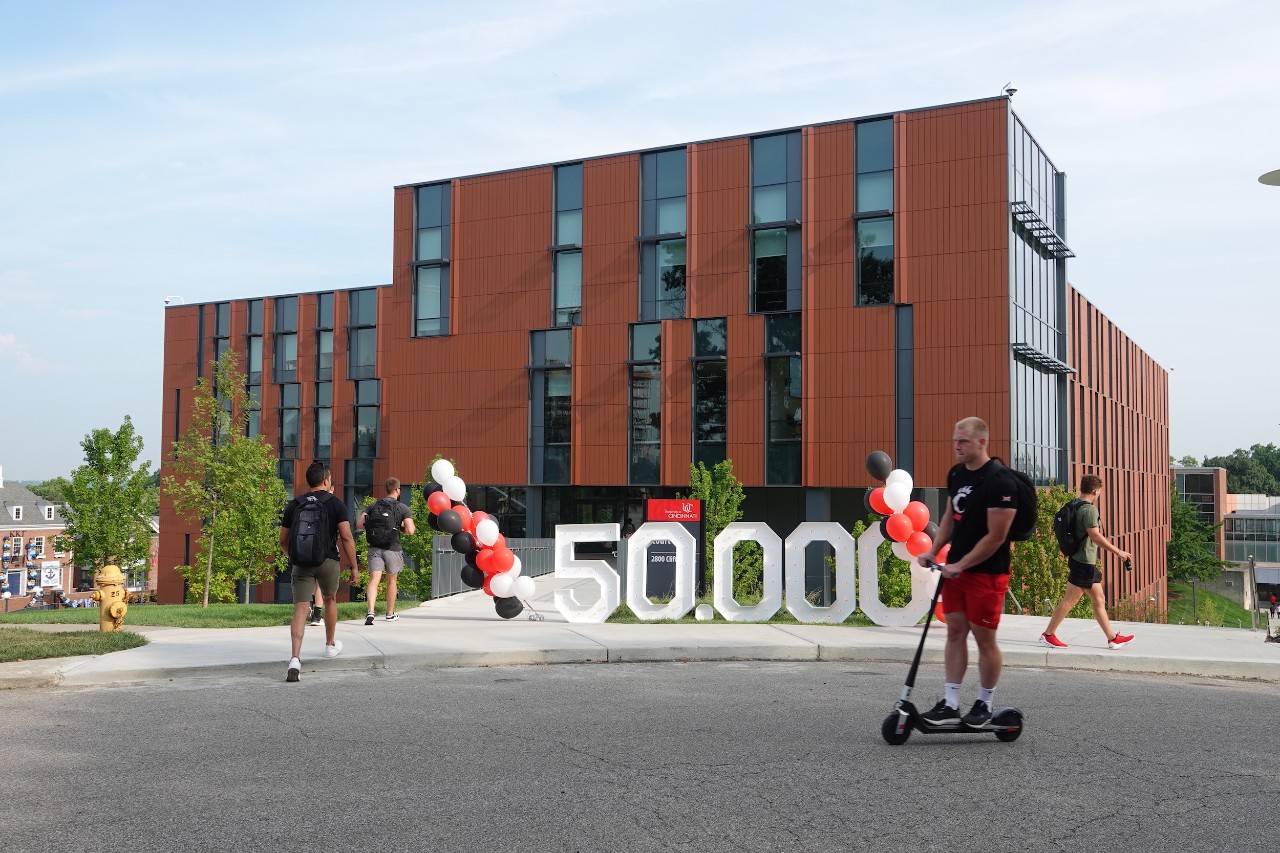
(889, 730)
(1011, 717)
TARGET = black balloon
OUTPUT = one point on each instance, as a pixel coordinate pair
(879, 465)
(508, 608)
(472, 577)
(931, 530)
(430, 489)
(433, 522)
(884, 531)
(866, 501)
(470, 557)
(463, 542)
(450, 521)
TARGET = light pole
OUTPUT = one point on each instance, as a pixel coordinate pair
(1253, 593)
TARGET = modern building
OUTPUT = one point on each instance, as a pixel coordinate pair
(1249, 531)
(575, 335)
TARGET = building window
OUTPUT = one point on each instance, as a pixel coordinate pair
(324, 421)
(366, 420)
(285, 361)
(221, 330)
(290, 403)
(567, 249)
(253, 425)
(324, 336)
(783, 396)
(431, 277)
(873, 212)
(662, 240)
(324, 310)
(646, 403)
(875, 261)
(710, 391)
(358, 484)
(775, 223)
(284, 470)
(550, 405)
(48, 513)
(17, 513)
(255, 317)
(35, 545)
(362, 334)
(253, 369)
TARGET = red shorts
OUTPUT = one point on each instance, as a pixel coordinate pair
(979, 596)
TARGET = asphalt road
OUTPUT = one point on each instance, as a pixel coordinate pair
(698, 757)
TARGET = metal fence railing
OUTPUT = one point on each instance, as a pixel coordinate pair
(537, 557)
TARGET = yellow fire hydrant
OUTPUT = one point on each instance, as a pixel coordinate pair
(112, 598)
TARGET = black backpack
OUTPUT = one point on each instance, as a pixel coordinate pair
(1024, 521)
(1064, 528)
(311, 536)
(380, 524)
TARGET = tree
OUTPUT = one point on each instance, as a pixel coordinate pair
(1247, 471)
(1191, 550)
(54, 490)
(1039, 571)
(108, 521)
(721, 494)
(226, 482)
(1186, 462)
(416, 580)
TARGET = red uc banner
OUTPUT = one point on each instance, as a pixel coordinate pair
(673, 510)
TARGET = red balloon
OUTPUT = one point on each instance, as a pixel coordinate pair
(919, 515)
(918, 543)
(484, 561)
(938, 612)
(877, 502)
(438, 502)
(486, 589)
(502, 559)
(898, 527)
(941, 559)
(500, 542)
(465, 514)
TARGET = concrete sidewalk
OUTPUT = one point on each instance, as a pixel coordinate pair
(463, 630)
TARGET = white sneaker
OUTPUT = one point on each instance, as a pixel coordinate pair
(295, 667)
(334, 650)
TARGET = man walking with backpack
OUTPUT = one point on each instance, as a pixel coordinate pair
(984, 499)
(383, 522)
(1079, 538)
(314, 531)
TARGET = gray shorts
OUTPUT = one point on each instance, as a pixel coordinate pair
(305, 579)
(382, 560)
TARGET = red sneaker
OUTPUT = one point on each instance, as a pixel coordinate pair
(1052, 641)
(1119, 641)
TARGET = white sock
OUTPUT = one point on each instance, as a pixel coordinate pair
(985, 694)
(952, 695)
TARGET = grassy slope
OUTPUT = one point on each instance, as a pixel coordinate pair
(188, 615)
(1209, 605)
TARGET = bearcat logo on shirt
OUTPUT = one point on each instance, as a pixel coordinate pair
(959, 502)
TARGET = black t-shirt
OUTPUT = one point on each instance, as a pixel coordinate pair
(972, 493)
(335, 509)
(399, 512)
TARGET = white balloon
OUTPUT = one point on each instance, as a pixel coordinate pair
(441, 470)
(454, 488)
(515, 569)
(900, 551)
(500, 586)
(897, 496)
(522, 587)
(487, 531)
(897, 475)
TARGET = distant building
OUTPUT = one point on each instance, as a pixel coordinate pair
(574, 335)
(33, 553)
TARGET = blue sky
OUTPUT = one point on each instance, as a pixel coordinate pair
(216, 151)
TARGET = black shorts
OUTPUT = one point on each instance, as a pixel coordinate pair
(1083, 575)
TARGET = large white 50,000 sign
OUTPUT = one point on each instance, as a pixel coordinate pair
(923, 581)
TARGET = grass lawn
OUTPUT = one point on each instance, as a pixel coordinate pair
(19, 644)
(624, 615)
(188, 615)
(1209, 605)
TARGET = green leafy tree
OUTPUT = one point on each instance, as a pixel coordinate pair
(1192, 549)
(894, 573)
(1187, 462)
(1039, 572)
(108, 519)
(721, 494)
(415, 580)
(54, 490)
(226, 482)
(1248, 472)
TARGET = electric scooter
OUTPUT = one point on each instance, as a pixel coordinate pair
(1005, 724)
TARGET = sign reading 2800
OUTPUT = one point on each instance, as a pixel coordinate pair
(853, 588)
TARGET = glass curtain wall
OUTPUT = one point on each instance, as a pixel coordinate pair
(550, 406)
(710, 390)
(645, 368)
(662, 239)
(874, 212)
(775, 223)
(782, 397)
(566, 253)
(431, 261)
